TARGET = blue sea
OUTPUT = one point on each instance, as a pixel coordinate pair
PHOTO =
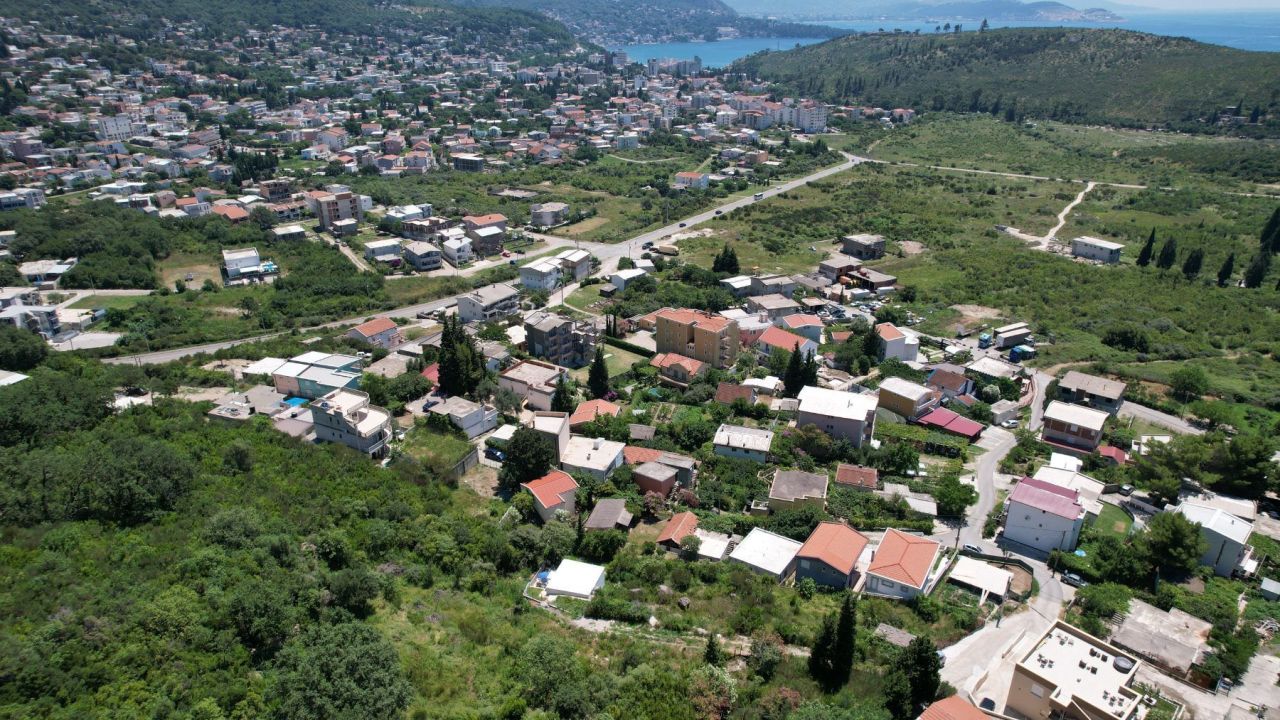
(1244, 30)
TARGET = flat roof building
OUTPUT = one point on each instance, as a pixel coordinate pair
(1072, 675)
(767, 553)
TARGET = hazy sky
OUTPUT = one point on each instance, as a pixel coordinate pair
(1194, 5)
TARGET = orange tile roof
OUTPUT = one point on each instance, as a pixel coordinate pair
(857, 476)
(375, 326)
(953, 708)
(888, 331)
(834, 544)
(549, 488)
(635, 455)
(485, 219)
(231, 212)
(779, 338)
(680, 526)
(589, 410)
(802, 320)
(662, 361)
(685, 316)
(904, 558)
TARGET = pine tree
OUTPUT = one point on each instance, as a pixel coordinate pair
(823, 653)
(713, 655)
(846, 640)
(1191, 266)
(897, 695)
(1257, 270)
(1144, 256)
(562, 400)
(1224, 272)
(1168, 254)
(726, 261)
(598, 377)
(793, 379)
(1271, 233)
(921, 663)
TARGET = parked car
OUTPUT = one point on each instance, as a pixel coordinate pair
(719, 212)
(1009, 424)
(970, 547)
(506, 253)
(495, 454)
(425, 314)
(1074, 580)
(426, 406)
(683, 224)
(1126, 490)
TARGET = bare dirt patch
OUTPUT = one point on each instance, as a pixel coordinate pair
(585, 226)
(974, 315)
(911, 247)
(482, 479)
(691, 234)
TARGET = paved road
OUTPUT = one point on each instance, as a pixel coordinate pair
(608, 255)
(1155, 417)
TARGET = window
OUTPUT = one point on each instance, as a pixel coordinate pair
(804, 564)
(1037, 690)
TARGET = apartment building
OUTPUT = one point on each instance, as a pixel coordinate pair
(421, 255)
(559, 340)
(329, 207)
(1073, 426)
(533, 380)
(839, 414)
(488, 303)
(1096, 392)
(1071, 675)
(345, 416)
(702, 336)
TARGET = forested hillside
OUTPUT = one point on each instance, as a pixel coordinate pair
(1083, 75)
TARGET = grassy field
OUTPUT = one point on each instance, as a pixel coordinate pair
(120, 302)
(421, 288)
(439, 449)
(1113, 521)
(201, 267)
(583, 298)
(617, 360)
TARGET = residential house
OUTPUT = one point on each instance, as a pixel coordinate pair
(837, 266)
(906, 398)
(609, 514)
(486, 241)
(951, 384)
(775, 338)
(953, 708)
(382, 250)
(864, 246)
(490, 302)
(422, 256)
(622, 278)
(735, 441)
(552, 492)
(576, 264)
(574, 579)
(345, 416)
(548, 214)
(773, 306)
(1071, 675)
(311, 374)
(830, 555)
(767, 553)
(1227, 536)
(545, 274)
(896, 344)
(807, 326)
(593, 456)
(839, 414)
(782, 285)
(655, 477)
(702, 336)
(554, 426)
(533, 380)
(1091, 390)
(559, 340)
(472, 418)
(457, 251)
(1044, 516)
(677, 370)
(858, 477)
(794, 488)
(694, 180)
(1091, 248)
(381, 332)
(903, 565)
(588, 410)
(680, 526)
(1073, 426)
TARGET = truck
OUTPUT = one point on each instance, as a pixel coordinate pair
(984, 340)
(1021, 352)
(666, 250)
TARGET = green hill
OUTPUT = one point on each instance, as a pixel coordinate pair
(1083, 75)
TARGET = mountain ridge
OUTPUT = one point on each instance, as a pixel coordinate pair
(1003, 10)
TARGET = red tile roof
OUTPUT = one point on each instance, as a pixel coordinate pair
(490, 219)
(888, 331)
(663, 361)
(432, 373)
(1113, 453)
(1047, 497)
(949, 421)
(779, 338)
(375, 326)
(904, 558)
(857, 476)
(685, 316)
(634, 455)
(953, 708)
(801, 320)
(231, 212)
(680, 526)
(727, 392)
(840, 336)
(550, 488)
(834, 544)
(589, 410)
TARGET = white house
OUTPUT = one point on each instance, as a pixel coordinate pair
(903, 566)
(545, 274)
(767, 553)
(1091, 248)
(471, 418)
(839, 414)
(896, 344)
(1044, 516)
(551, 492)
(382, 250)
(594, 456)
(622, 278)
(1226, 534)
(488, 303)
(746, 443)
(575, 579)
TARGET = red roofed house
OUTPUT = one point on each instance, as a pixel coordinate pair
(857, 477)
(590, 410)
(896, 344)
(680, 526)
(233, 213)
(779, 339)
(953, 708)
(636, 455)
(830, 554)
(902, 565)
(551, 492)
(382, 332)
(808, 326)
(677, 370)
(1044, 516)
(476, 222)
(1114, 454)
(949, 422)
(432, 373)
(727, 393)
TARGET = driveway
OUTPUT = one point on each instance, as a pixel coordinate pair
(1155, 417)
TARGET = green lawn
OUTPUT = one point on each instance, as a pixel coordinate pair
(617, 360)
(119, 302)
(434, 447)
(582, 298)
(1113, 521)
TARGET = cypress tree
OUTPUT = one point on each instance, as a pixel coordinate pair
(598, 377)
(1224, 272)
(921, 664)
(1191, 266)
(793, 379)
(1257, 270)
(846, 640)
(713, 655)
(1168, 254)
(562, 401)
(1144, 256)
(823, 652)
(1271, 233)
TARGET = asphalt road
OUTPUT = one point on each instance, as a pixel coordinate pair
(609, 254)
(1155, 417)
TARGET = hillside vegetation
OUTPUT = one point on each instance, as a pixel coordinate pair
(1083, 75)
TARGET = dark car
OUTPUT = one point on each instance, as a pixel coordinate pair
(1074, 580)
(682, 224)
(426, 406)
(719, 212)
(495, 454)
(970, 547)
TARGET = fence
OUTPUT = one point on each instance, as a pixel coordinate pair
(471, 460)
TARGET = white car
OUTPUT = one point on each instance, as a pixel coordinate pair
(1009, 424)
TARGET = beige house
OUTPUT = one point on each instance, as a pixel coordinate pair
(839, 414)
(794, 488)
(702, 336)
(1072, 675)
(1073, 426)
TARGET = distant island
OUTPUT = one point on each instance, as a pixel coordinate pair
(998, 10)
